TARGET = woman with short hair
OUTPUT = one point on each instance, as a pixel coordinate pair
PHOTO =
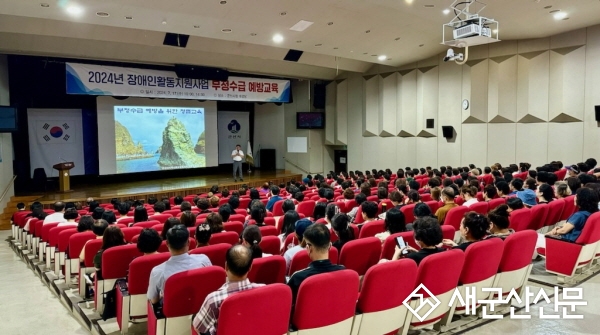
(473, 228)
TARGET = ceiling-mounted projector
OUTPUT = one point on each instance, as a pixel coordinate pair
(470, 30)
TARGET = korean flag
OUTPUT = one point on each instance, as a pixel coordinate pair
(54, 132)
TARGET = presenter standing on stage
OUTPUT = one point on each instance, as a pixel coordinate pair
(238, 156)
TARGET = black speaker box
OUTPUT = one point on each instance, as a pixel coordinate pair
(430, 124)
(293, 55)
(597, 113)
(176, 40)
(267, 159)
(201, 72)
(448, 131)
(319, 96)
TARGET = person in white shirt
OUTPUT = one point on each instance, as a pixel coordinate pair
(238, 156)
(70, 215)
(469, 193)
(58, 215)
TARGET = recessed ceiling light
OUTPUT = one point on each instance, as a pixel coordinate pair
(226, 30)
(318, 44)
(45, 5)
(277, 38)
(365, 53)
(408, 1)
(554, 11)
(420, 45)
(74, 10)
(368, 31)
(335, 48)
(164, 22)
(283, 13)
(373, 55)
(351, 50)
(382, 57)
(196, 26)
(560, 15)
(397, 39)
(252, 34)
(128, 17)
(223, 2)
(428, 6)
(389, 59)
(329, 23)
(547, 7)
(298, 41)
(446, 11)
(102, 14)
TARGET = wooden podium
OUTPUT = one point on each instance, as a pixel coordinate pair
(64, 183)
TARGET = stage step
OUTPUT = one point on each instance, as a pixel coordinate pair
(11, 208)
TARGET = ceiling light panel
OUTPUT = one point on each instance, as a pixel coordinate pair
(301, 25)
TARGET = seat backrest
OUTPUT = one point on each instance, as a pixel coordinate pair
(372, 228)
(183, 295)
(361, 254)
(440, 272)
(426, 197)
(172, 212)
(268, 270)
(342, 291)
(63, 238)
(518, 249)
(520, 219)
(228, 237)
(37, 227)
(139, 271)
(236, 227)
(277, 210)
(270, 245)
(409, 214)
(146, 224)
(481, 260)
(569, 208)
(268, 231)
(492, 204)
(301, 260)
(555, 209)
(342, 206)
(215, 252)
(539, 213)
(447, 232)
(433, 205)
(350, 204)
(306, 207)
(116, 260)
(358, 217)
(77, 241)
(237, 218)
(480, 207)
(455, 216)
(591, 230)
(377, 295)
(270, 221)
(235, 316)
(389, 245)
(162, 218)
(53, 234)
(130, 232)
(290, 239)
(46, 230)
(244, 202)
(91, 249)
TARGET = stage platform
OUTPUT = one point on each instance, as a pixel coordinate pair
(165, 187)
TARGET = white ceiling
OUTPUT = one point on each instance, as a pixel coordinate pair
(28, 28)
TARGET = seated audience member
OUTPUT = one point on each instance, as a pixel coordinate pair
(167, 204)
(98, 229)
(140, 214)
(234, 202)
(397, 199)
(382, 193)
(469, 193)
(203, 204)
(319, 211)
(58, 215)
(288, 205)
(428, 234)
(299, 228)
(109, 216)
(561, 190)
(85, 224)
(97, 213)
(531, 184)
(317, 241)
(499, 222)
(489, 193)
(586, 201)
(214, 201)
(202, 235)
(412, 197)
(528, 197)
(215, 222)
(123, 208)
(288, 225)
(503, 189)
(225, 211)
(394, 222)
(448, 198)
(238, 262)
(341, 227)
(360, 198)
(70, 215)
(170, 223)
(20, 208)
(436, 194)
(225, 193)
(330, 211)
(185, 206)
(348, 194)
(159, 207)
(149, 241)
(258, 213)
(420, 211)
(545, 194)
(178, 244)
(274, 198)
(514, 204)
(516, 185)
(473, 228)
(251, 237)
(574, 184)
(113, 237)
(188, 219)
(369, 212)
(264, 189)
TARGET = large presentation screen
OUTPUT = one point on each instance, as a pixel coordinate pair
(149, 138)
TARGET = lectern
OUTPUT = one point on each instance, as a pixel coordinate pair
(64, 175)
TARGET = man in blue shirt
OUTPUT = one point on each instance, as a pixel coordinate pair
(274, 198)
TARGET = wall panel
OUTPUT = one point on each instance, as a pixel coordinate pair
(330, 107)
(407, 103)
(567, 84)
(532, 87)
(371, 106)
(501, 143)
(387, 105)
(474, 138)
(502, 89)
(532, 143)
(427, 99)
(341, 114)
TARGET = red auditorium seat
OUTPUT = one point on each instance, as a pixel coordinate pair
(358, 219)
(492, 204)
(240, 211)
(373, 198)
(229, 237)
(555, 209)
(514, 268)
(244, 202)
(425, 197)
(53, 243)
(389, 245)
(235, 316)
(236, 227)
(388, 205)
(380, 308)
(306, 207)
(539, 213)
(215, 252)
(91, 249)
(147, 224)
(439, 273)
(290, 239)
(520, 219)
(371, 228)
(76, 243)
(130, 232)
(44, 239)
(162, 218)
(131, 299)
(183, 298)
(270, 245)
(268, 231)
(342, 206)
(277, 209)
(563, 258)
(115, 264)
(268, 270)
(350, 204)
(455, 216)
(560, 174)
(237, 218)
(301, 260)
(433, 205)
(479, 207)
(62, 246)
(172, 212)
(359, 255)
(408, 211)
(342, 288)
(569, 208)
(126, 221)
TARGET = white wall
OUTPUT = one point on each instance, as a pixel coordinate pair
(269, 132)
(6, 148)
(530, 100)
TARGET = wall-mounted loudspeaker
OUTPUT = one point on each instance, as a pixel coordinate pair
(176, 40)
(201, 72)
(597, 113)
(430, 124)
(293, 55)
(448, 131)
(319, 96)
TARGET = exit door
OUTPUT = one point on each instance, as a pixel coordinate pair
(341, 161)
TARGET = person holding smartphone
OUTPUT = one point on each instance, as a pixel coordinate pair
(428, 234)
